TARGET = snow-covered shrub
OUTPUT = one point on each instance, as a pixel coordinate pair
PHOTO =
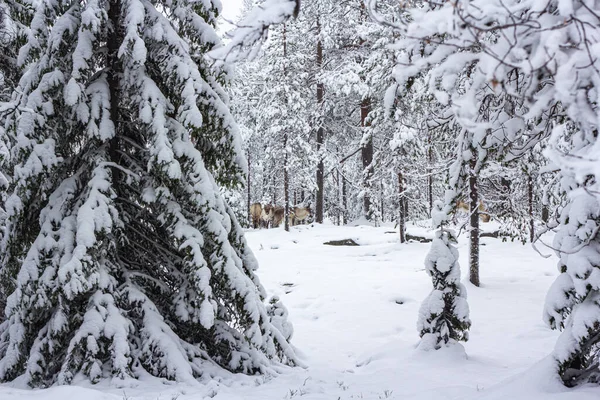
(278, 315)
(444, 314)
(573, 301)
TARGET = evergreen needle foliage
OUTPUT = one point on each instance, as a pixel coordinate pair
(119, 256)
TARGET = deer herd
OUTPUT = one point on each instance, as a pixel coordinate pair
(269, 216)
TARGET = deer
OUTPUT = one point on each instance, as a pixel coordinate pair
(299, 215)
(278, 214)
(255, 213)
(266, 215)
(483, 215)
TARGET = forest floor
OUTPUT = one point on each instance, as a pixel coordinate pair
(354, 311)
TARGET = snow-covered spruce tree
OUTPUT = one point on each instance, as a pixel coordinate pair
(14, 17)
(120, 253)
(444, 314)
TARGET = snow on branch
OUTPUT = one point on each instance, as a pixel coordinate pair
(252, 30)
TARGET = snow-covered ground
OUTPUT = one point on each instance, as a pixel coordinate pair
(354, 311)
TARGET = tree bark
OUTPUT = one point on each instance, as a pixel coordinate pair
(250, 222)
(344, 201)
(274, 188)
(382, 203)
(474, 228)
(113, 72)
(286, 178)
(320, 133)
(401, 209)
(545, 213)
(367, 157)
(530, 199)
(338, 186)
(430, 173)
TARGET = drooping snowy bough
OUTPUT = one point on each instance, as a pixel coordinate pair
(121, 257)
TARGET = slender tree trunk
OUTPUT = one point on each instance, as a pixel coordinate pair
(401, 209)
(430, 173)
(367, 158)
(545, 213)
(507, 208)
(382, 203)
(113, 72)
(344, 201)
(274, 189)
(474, 231)
(320, 133)
(250, 222)
(338, 187)
(286, 179)
(530, 199)
(286, 189)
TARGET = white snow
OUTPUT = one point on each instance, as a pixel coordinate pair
(354, 313)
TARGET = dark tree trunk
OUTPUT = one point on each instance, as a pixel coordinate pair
(401, 209)
(113, 73)
(286, 178)
(344, 201)
(545, 213)
(338, 217)
(530, 199)
(286, 190)
(274, 189)
(430, 173)
(367, 158)
(507, 207)
(320, 134)
(474, 228)
(250, 222)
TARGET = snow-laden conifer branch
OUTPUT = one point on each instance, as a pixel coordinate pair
(244, 41)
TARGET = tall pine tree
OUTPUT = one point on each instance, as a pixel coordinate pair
(121, 256)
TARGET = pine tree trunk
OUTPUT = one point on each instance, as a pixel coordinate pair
(382, 203)
(286, 190)
(545, 213)
(113, 73)
(274, 189)
(530, 199)
(474, 231)
(286, 179)
(401, 209)
(367, 158)
(344, 201)
(338, 219)
(250, 222)
(430, 175)
(320, 134)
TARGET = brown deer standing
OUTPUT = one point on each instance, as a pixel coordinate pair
(483, 214)
(278, 214)
(299, 215)
(266, 216)
(255, 213)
